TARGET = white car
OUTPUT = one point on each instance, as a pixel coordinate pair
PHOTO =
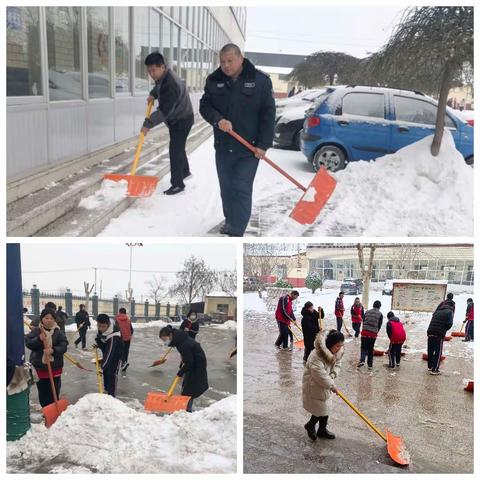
(387, 288)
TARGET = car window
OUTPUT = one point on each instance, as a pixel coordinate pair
(365, 104)
(418, 111)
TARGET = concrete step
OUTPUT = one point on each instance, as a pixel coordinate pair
(54, 210)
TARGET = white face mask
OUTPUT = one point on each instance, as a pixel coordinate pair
(165, 343)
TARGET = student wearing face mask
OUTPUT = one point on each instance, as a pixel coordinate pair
(48, 344)
(190, 324)
(193, 367)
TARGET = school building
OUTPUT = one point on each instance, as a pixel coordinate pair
(76, 80)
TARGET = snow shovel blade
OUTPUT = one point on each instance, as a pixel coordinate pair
(162, 403)
(52, 411)
(299, 343)
(458, 334)
(379, 353)
(138, 185)
(313, 200)
(447, 338)
(397, 449)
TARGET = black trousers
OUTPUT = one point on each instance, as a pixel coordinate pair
(394, 354)
(339, 323)
(434, 351)
(45, 395)
(82, 338)
(308, 350)
(366, 350)
(125, 351)
(110, 378)
(283, 334)
(179, 167)
(469, 330)
(356, 326)
(322, 422)
(190, 405)
(236, 173)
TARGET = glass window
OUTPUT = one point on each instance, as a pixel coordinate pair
(166, 40)
(141, 47)
(63, 46)
(97, 51)
(184, 53)
(176, 13)
(24, 74)
(154, 31)
(122, 49)
(175, 48)
(365, 104)
(418, 111)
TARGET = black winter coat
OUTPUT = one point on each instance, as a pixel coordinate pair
(442, 321)
(82, 317)
(61, 317)
(247, 103)
(193, 327)
(310, 326)
(59, 344)
(194, 364)
(111, 345)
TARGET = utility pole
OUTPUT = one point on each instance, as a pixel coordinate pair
(129, 292)
(95, 284)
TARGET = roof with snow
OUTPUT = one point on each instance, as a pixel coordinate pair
(220, 294)
(408, 280)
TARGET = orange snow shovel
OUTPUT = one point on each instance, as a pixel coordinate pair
(138, 185)
(461, 333)
(52, 411)
(395, 446)
(166, 402)
(315, 196)
(299, 343)
(162, 360)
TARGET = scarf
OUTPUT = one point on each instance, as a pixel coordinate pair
(48, 343)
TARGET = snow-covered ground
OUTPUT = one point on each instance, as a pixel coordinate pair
(100, 434)
(409, 193)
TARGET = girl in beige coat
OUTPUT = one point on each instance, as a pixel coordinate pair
(321, 369)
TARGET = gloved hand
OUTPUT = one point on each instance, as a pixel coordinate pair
(94, 345)
(180, 373)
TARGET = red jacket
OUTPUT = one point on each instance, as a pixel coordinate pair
(469, 314)
(339, 308)
(284, 312)
(395, 331)
(125, 326)
(357, 313)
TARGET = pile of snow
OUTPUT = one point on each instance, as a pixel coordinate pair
(110, 193)
(409, 193)
(228, 325)
(103, 435)
(153, 323)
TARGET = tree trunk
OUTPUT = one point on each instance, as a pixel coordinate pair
(442, 108)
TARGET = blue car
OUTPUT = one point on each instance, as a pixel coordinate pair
(350, 123)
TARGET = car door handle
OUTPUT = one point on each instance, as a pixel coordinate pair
(403, 129)
(343, 123)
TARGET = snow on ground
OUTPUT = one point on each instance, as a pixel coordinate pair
(416, 323)
(228, 325)
(100, 434)
(109, 193)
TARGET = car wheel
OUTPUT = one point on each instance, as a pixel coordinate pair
(330, 157)
(469, 161)
(296, 140)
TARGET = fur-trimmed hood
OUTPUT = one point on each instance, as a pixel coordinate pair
(323, 352)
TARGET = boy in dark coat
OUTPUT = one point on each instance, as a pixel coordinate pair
(469, 321)
(310, 327)
(371, 326)
(442, 321)
(190, 324)
(339, 310)
(61, 318)
(83, 324)
(193, 367)
(397, 335)
(47, 343)
(109, 341)
(358, 314)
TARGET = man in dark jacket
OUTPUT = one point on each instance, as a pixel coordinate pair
(372, 323)
(193, 367)
(339, 310)
(175, 110)
(61, 318)
(442, 321)
(109, 340)
(238, 97)
(310, 326)
(83, 324)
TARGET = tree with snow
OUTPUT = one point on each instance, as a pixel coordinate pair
(314, 281)
(431, 50)
(282, 283)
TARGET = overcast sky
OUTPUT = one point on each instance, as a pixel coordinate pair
(304, 30)
(79, 259)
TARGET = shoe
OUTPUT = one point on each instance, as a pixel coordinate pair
(125, 366)
(174, 190)
(324, 433)
(84, 349)
(310, 431)
(360, 364)
(225, 229)
(278, 347)
(370, 369)
(390, 366)
(397, 365)
(435, 372)
(429, 369)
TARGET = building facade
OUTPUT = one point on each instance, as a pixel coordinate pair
(76, 80)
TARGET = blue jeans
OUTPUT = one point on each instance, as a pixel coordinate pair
(236, 173)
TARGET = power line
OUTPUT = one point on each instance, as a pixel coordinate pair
(114, 270)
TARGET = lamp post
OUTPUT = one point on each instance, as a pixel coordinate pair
(130, 290)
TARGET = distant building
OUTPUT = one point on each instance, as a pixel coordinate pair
(220, 306)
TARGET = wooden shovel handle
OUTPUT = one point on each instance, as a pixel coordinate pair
(173, 385)
(236, 136)
(141, 139)
(362, 416)
(293, 333)
(50, 376)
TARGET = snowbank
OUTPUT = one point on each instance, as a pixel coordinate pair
(101, 434)
(228, 325)
(153, 323)
(409, 193)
